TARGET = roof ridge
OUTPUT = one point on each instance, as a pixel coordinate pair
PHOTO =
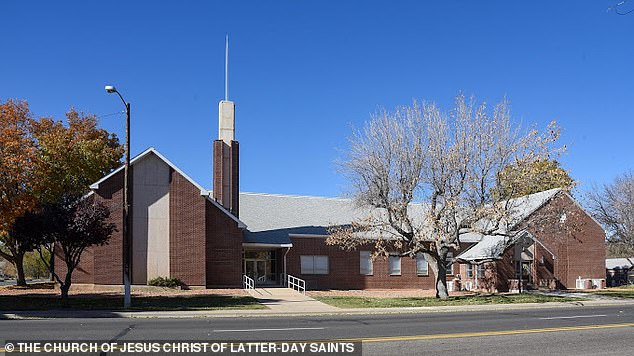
(295, 196)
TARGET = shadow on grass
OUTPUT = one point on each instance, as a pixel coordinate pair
(114, 302)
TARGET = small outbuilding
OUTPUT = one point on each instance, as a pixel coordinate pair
(619, 271)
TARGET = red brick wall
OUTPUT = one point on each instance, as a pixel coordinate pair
(229, 196)
(224, 249)
(578, 243)
(344, 268)
(187, 231)
(102, 264)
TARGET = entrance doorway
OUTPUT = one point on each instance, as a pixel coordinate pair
(261, 266)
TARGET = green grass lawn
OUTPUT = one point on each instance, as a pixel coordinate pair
(368, 302)
(152, 303)
(617, 292)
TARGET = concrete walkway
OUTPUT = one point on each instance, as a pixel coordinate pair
(285, 300)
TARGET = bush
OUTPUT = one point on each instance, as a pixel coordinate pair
(165, 282)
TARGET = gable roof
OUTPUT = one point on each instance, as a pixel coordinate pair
(519, 209)
(619, 263)
(204, 192)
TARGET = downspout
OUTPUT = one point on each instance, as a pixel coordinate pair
(285, 274)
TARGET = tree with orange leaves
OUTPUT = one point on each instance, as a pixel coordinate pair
(18, 152)
(45, 161)
(72, 156)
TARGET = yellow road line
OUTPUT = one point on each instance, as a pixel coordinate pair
(489, 333)
(462, 335)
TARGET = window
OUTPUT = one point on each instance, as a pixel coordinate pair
(365, 263)
(422, 267)
(449, 262)
(481, 270)
(523, 267)
(314, 264)
(395, 265)
(469, 270)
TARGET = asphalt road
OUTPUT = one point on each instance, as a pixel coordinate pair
(561, 331)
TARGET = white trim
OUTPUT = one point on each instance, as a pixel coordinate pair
(258, 244)
(203, 191)
(308, 236)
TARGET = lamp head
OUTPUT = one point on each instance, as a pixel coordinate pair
(110, 89)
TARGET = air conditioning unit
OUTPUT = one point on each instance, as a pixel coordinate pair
(467, 285)
(580, 283)
(450, 286)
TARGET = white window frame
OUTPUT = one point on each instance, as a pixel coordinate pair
(365, 260)
(420, 257)
(392, 271)
(309, 264)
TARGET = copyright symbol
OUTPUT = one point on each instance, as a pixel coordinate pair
(8, 347)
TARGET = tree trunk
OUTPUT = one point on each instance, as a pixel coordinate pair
(65, 287)
(440, 271)
(18, 261)
(441, 282)
(51, 263)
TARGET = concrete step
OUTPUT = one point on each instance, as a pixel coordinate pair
(288, 300)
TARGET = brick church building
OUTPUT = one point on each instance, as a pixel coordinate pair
(210, 239)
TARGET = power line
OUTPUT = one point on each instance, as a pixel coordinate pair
(111, 114)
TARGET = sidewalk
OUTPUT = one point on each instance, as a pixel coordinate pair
(298, 312)
(286, 300)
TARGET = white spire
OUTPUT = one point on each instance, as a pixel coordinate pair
(227, 67)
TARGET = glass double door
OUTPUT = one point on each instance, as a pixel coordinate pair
(261, 267)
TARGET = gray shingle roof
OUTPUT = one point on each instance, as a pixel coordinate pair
(270, 218)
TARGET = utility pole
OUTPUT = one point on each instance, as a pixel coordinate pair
(127, 199)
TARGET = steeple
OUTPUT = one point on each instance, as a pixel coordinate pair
(226, 150)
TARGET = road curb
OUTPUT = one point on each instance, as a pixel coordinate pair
(106, 314)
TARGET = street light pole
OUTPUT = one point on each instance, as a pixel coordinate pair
(126, 203)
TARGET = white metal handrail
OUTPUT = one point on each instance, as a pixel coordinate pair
(297, 284)
(247, 282)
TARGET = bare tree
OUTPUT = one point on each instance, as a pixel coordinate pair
(613, 206)
(425, 175)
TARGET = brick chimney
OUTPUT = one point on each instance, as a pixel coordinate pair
(226, 155)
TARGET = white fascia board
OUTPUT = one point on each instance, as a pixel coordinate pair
(257, 244)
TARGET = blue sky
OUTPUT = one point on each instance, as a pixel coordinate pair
(303, 73)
